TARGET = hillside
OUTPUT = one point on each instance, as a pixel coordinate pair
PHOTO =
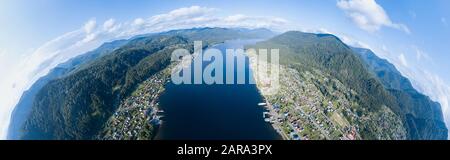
(424, 116)
(334, 79)
(23, 107)
(328, 90)
(78, 105)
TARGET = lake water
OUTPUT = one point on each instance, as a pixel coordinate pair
(214, 112)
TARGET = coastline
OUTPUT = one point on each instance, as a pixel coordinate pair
(263, 92)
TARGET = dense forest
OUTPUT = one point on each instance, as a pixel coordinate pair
(23, 108)
(425, 119)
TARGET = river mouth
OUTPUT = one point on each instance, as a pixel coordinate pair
(217, 111)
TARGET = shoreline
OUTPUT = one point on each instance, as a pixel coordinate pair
(268, 106)
(277, 127)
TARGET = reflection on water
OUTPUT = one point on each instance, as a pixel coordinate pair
(217, 112)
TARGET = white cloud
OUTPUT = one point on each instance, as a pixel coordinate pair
(90, 26)
(24, 70)
(402, 59)
(109, 25)
(138, 21)
(423, 80)
(196, 16)
(183, 13)
(253, 22)
(89, 37)
(239, 18)
(368, 15)
(433, 86)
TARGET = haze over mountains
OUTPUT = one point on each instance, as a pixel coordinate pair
(418, 108)
(75, 99)
(23, 108)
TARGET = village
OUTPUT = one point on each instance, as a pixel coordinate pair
(139, 116)
(311, 106)
(300, 111)
(307, 106)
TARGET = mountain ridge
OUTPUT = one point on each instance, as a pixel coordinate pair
(328, 53)
(418, 106)
(23, 107)
(82, 109)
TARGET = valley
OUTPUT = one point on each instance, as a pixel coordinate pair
(327, 91)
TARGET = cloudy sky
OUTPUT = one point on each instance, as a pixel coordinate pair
(37, 35)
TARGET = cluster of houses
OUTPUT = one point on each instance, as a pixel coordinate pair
(299, 109)
(136, 117)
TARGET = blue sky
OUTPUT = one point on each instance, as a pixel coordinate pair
(413, 35)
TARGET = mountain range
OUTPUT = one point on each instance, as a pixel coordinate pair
(76, 99)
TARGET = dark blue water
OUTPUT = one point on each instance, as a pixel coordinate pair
(215, 112)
